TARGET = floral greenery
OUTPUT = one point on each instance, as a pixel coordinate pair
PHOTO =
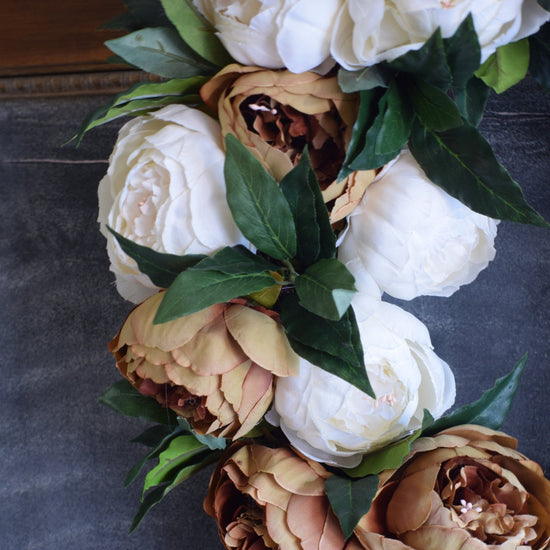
(430, 100)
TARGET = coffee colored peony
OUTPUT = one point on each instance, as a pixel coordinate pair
(214, 367)
(165, 189)
(274, 33)
(264, 498)
(275, 114)
(413, 238)
(466, 488)
(366, 33)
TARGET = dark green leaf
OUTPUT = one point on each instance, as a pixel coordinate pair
(160, 51)
(196, 31)
(539, 56)
(180, 452)
(159, 446)
(314, 234)
(545, 4)
(124, 21)
(147, 12)
(382, 128)
(125, 399)
(364, 79)
(153, 435)
(463, 164)
(161, 268)
(259, 207)
(506, 67)
(334, 346)
(150, 500)
(236, 260)
(194, 290)
(490, 410)
(142, 97)
(213, 443)
(429, 63)
(463, 52)
(350, 499)
(326, 289)
(433, 107)
(472, 99)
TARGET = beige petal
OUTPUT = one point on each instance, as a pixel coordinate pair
(374, 541)
(473, 432)
(156, 373)
(268, 490)
(193, 383)
(275, 519)
(213, 351)
(256, 386)
(411, 503)
(262, 339)
(442, 538)
(348, 193)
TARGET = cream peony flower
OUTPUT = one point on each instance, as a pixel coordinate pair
(165, 189)
(275, 33)
(413, 238)
(329, 420)
(366, 33)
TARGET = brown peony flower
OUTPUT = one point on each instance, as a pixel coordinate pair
(264, 498)
(463, 489)
(275, 114)
(214, 367)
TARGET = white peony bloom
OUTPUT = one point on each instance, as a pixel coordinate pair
(413, 238)
(366, 33)
(275, 33)
(165, 189)
(331, 421)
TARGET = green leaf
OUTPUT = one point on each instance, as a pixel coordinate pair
(236, 260)
(364, 79)
(161, 268)
(539, 56)
(434, 108)
(463, 52)
(472, 99)
(380, 132)
(142, 97)
(213, 443)
(464, 165)
(147, 12)
(159, 445)
(197, 289)
(179, 452)
(326, 289)
(124, 21)
(350, 499)
(490, 410)
(125, 399)
(506, 67)
(153, 435)
(429, 63)
(545, 4)
(334, 346)
(196, 31)
(259, 207)
(314, 234)
(160, 51)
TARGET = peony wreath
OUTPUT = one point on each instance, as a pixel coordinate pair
(292, 161)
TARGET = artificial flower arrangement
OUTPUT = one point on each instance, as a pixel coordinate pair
(294, 161)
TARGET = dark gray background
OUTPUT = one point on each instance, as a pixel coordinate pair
(63, 457)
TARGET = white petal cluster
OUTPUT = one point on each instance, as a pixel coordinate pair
(331, 421)
(413, 238)
(165, 189)
(274, 33)
(366, 33)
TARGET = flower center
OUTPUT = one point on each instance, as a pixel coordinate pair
(289, 130)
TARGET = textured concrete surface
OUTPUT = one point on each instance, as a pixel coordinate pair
(63, 457)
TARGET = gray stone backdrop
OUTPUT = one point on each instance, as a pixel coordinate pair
(63, 456)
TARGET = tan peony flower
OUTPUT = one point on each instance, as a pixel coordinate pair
(264, 498)
(214, 367)
(275, 114)
(466, 488)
